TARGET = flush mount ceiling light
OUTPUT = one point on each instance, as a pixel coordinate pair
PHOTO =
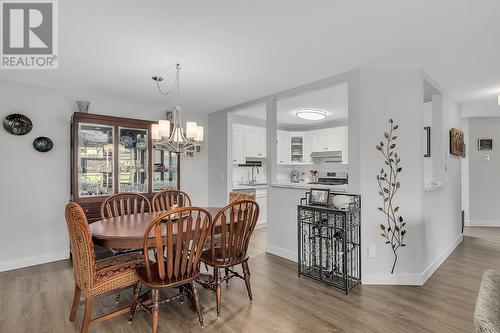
(311, 114)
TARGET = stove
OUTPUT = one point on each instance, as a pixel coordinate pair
(332, 178)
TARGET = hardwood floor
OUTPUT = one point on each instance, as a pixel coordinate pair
(38, 299)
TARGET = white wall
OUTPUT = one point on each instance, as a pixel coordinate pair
(465, 171)
(427, 111)
(375, 96)
(484, 175)
(441, 209)
(36, 186)
(219, 125)
(391, 93)
(433, 218)
(194, 170)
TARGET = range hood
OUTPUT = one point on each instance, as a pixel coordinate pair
(330, 156)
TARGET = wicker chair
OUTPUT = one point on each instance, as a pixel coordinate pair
(229, 244)
(237, 196)
(95, 278)
(170, 199)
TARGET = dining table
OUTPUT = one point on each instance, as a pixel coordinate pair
(127, 232)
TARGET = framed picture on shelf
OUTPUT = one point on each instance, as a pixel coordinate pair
(319, 196)
(484, 144)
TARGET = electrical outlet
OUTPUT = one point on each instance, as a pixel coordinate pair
(372, 251)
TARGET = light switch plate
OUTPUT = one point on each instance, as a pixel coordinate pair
(487, 157)
(372, 251)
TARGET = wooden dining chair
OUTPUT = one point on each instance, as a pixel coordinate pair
(176, 239)
(169, 199)
(123, 204)
(237, 196)
(96, 278)
(229, 241)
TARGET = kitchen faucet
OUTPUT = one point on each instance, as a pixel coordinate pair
(253, 180)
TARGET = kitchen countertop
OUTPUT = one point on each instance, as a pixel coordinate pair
(248, 187)
(306, 186)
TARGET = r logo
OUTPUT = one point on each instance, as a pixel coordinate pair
(27, 28)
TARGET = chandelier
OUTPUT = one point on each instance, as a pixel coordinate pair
(172, 137)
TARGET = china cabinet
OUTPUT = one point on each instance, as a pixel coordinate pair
(112, 155)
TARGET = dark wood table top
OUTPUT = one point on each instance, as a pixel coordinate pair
(126, 232)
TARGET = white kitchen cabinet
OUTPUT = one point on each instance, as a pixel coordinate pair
(283, 148)
(345, 144)
(255, 142)
(293, 148)
(308, 137)
(297, 148)
(331, 139)
(248, 142)
(327, 141)
(238, 146)
(261, 198)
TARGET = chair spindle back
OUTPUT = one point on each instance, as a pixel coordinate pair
(123, 204)
(170, 199)
(235, 224)
(177, 238)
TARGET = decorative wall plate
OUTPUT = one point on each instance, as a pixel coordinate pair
(43, 144)
(17, 124)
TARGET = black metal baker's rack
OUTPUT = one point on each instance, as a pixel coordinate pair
(329, 239)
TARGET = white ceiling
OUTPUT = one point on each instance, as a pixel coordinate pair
(333, 100)
(233, 51)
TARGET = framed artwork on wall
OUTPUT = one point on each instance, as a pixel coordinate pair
(457, 143)
(427, 146)
(484, 144)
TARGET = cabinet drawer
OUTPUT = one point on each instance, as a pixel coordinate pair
(261, 193)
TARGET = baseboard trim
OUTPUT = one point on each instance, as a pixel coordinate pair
(482, 223)
(417, 279)
(33, 260)
(441, 259)
(392, 279)
(280, 252)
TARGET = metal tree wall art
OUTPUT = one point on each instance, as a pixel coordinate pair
(393, 230)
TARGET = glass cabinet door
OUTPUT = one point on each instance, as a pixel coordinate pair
(133, 160)
(297, 149)
(164, 170)
(95, 160)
